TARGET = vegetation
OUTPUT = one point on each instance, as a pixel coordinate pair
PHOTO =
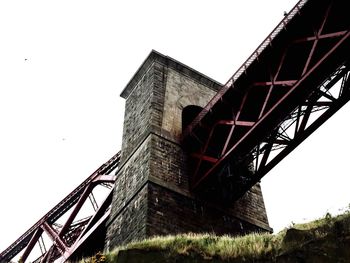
(251, 247)
(207, 245)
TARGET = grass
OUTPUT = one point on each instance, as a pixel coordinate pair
(327, 221)
(252, 246)
(208, 245)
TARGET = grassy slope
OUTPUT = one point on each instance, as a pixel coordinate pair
(264, 247)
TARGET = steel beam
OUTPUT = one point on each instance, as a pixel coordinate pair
(71, 230)
(294, 67)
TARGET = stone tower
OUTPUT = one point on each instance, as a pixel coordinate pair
(151, 195)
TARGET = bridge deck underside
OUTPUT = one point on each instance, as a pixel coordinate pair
(293, 82)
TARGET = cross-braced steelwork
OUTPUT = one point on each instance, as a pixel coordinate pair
(66, 237)
(288, 84)
(305, 119)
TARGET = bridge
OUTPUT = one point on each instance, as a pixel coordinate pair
(66, 238)
(291, 84)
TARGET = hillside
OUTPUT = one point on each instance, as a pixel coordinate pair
(323, 240)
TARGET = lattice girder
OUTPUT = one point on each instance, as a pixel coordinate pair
(285, 73)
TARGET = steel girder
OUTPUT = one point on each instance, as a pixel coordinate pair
(67, 237)
(286, 82)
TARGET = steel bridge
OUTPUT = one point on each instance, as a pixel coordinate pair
(291, 84)
(68, 237)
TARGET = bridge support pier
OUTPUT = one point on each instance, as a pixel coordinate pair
(152, 192)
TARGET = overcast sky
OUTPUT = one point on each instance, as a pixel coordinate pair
(64, 63)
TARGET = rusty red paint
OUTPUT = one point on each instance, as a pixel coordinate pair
(294, 94)
(77, 197)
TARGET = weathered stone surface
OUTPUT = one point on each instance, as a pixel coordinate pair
(171, 212)
(151, 194)
(129, 222)
(168, 163)
(138, 114)
(131, 176)
(181, 91)
(251, 208)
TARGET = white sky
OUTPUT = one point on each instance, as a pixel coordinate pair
(62, 117)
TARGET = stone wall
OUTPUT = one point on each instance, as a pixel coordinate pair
(251, 207)
(138, 112)
(171, 212)
(131, 176)
(152, 195)
(181, 91)
(129, 222)
(168, 163)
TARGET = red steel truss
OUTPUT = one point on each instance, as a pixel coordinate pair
(295, 80)
(66, 238)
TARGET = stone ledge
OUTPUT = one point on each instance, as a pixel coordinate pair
(172, 63)
(153, 130)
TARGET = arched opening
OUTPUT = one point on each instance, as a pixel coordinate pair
(189, 113)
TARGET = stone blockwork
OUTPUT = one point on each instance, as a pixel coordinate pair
(168, 163)
(251, 208)
(172, 212)
(181, 91)
(133, 175)
(130, 221)
(140, 111)
(151, 195)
